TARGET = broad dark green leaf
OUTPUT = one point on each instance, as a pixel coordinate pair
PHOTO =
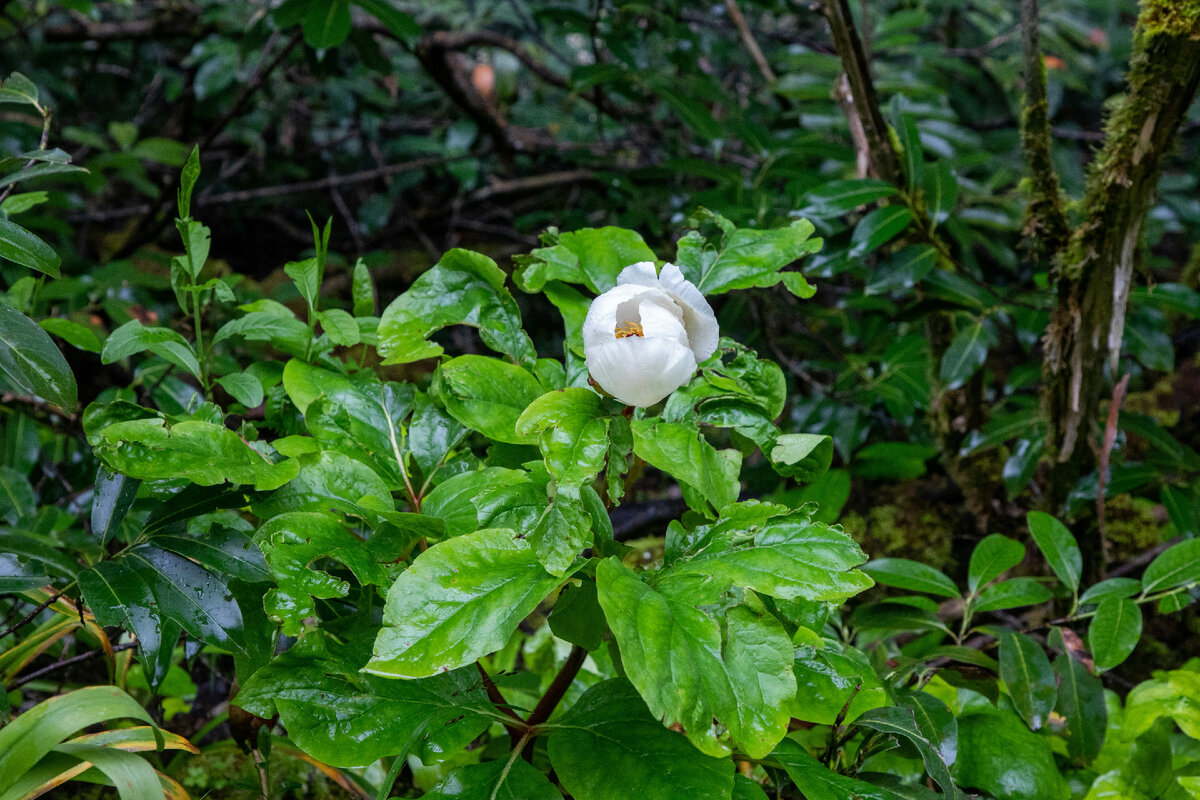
(72, 333)
(345, 718)
(803, 456)
(432, 434)
(832, 679)
(999, 755)
(837, 198)
(747, 258)
(912, 153)
(326, 24)
(610, 747)
(190, 595)
(902, 573)
(991, 558)
(679, 450)
(878, 228)
(202, 452)
(940, 186)
(1114, 631)
(1117, 587)
(936, 723)
(284, 332)
(1012, 593)
(1177, 566)
(746, 789)
(224, 552)
(463, 288)
(503, 779)
(1059, 547)
(133, 337)
(22, 247)
(18, 90)
(571, 429)
(564, 529)
(487, 395)
(818, 782)
(577, 617)
(17, 497)
(903, 270)
(244, 388)
(737, 374)
(114, 494)
(400, 23)
(32, 362)
(193, 501)
(460, 600)
(187, 182)
(693, 668)
(324, 481)
(591, 256)
(965, 355)
(897, 721)
(894, 618)
(1081, 702)
(1026, 672)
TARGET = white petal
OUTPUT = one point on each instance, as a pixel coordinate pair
(642, 273)
(661, 317)
(601, 321)
(702, 329)
(640, 371)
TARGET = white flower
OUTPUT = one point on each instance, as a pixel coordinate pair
(643, 338)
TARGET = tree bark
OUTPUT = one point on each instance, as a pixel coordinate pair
(1094, 273)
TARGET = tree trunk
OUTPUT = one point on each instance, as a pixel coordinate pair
(1094, 273)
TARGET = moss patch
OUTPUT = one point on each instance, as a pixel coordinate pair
(1171, 18)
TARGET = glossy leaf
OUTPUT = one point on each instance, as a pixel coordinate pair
(189, 595)
(803, 456)
(343, 717)
(1027, 674)
(991, 558)
(74, 334)
(1114, 631)
(999, 755)
(572, 431)
(897, 721)
(836, 198)
(1178, 565)
(936, 723)
(681, 451)
(461, 599)
(22, 247)
(878, 228)
(610, 747)
(965, 355)
(487, 395)
(223, 552)
(114, 494)
(831, 679)
(202, 452)
(692, 669)
(30, 359)
(914, 576)
(244, 388)
(940, 186)
(133, 337)
(577, 617)
(1081, 702)
(564, 529)
(1058, 546)
(1012, 593)
(592, 256)
(326, 24)
(462, 288)
(818, 782)
(746, 257)
(1115, 587)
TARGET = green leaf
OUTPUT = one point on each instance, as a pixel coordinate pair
(460, 600)
(321, 481)
(1118, 587)
(224, 552)
(187, 182)
(244, 388)
(197, 241)
(29, 737)
(911, 151)
(833, 678)
(362, 290)
(17, 498)
(1027, 674)
(935, 721)
(1058, 546)
(788, 557)
(818, 782)
(903, 270)
(941, 190)
(746, 789)
(285, 333)
(16, 88)
(878, 228)
(998, 754)
(679, 450)
(1176, 566)
(432, 434)
(23, 201)
(292, 542)
(487, 395)
(73, 333)
(201, 452)
(738, 374)
(38, 171)
(306, 276)
(22, 247)
(1172, 693)
(32, 362)
(965, 355)
(803, 456)
(901, 722)
(592, 256)
(464, 288)
(129, 772)
(134, 337)
(1114, 631)
(343, 717)
(747, 258)
(901, 573)
(895, 617)
(340, 327)
(114, 494)
(1012, 593)
(572, 431)
(562, 532)
(119, 597)
(1081, 702)
(326, 24)
(400, 23)
(577, 617)
(609, 747)
(991, 558)
(837, 198)
(693, 668)
(505, 779)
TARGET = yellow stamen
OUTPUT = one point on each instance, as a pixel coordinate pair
(627, 328)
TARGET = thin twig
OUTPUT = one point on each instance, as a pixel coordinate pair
(743, 29)
(28, 618)
(57, 665)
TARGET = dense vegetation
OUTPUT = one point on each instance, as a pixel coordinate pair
(307, 490)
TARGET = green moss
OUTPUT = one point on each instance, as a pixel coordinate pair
(910, 528)
(1133, 525)
(1170, 18)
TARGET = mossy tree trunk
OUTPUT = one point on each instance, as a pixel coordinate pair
(1094, 271)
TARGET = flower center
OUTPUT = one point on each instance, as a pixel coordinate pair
(626, 329)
